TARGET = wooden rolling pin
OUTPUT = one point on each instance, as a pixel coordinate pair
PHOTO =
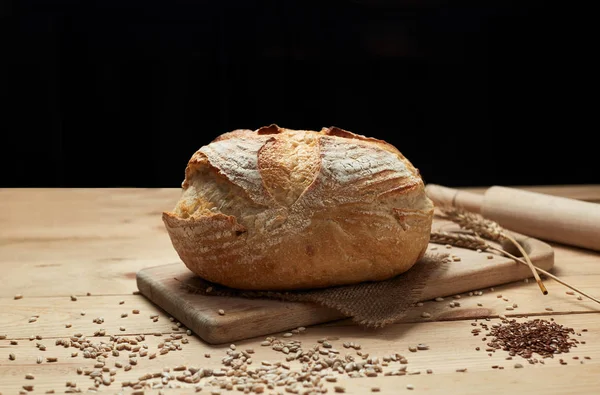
(551, 218)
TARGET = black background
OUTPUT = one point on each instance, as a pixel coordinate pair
(121, 93)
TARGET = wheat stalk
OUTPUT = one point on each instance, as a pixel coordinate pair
(476, 243)
(491, 230)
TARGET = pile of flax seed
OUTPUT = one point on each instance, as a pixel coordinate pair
(526, 339)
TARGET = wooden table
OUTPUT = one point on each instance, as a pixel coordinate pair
(90, 243)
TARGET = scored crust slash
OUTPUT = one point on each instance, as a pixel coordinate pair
(282, 209)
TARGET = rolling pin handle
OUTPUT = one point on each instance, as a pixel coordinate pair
(448, 197)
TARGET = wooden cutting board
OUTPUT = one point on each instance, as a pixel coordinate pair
(247, 318)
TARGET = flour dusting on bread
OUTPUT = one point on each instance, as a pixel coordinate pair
(289, 209)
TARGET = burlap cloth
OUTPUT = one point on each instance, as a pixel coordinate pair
(370, 304)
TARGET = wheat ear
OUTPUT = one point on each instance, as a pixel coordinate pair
(459, 240)
(489, 229)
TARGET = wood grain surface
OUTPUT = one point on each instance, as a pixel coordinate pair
(55, 243)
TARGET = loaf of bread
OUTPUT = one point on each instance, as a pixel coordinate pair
(281, 209)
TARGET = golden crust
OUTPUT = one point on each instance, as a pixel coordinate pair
(280, 209)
